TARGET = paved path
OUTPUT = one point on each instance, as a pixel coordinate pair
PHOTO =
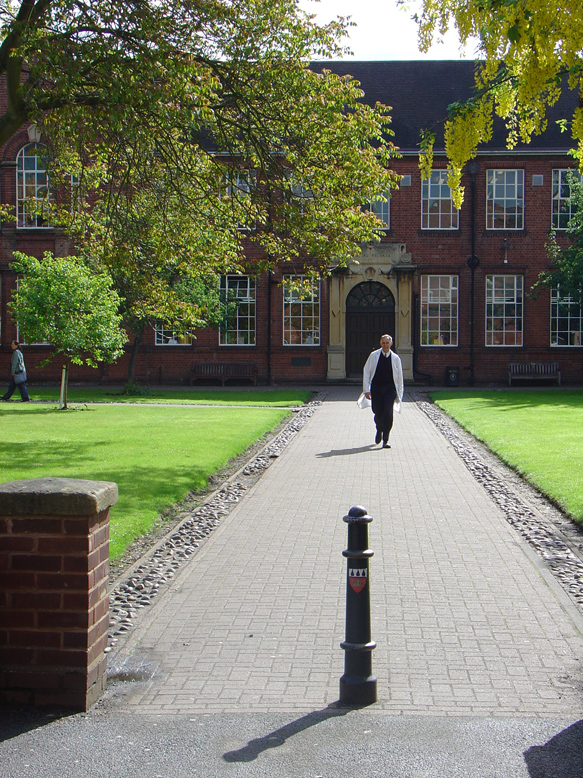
(465, 619)
(479, 657)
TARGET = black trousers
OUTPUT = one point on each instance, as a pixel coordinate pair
(383, 399)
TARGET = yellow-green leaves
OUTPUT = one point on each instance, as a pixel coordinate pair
(530, 51)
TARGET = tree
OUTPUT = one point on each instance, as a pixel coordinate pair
(168, 95)
(184, 138)
(531, 49)
(61, 302)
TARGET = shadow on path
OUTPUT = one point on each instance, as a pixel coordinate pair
(561, 757)
(278, 737)
(342, 452)
(15, 720)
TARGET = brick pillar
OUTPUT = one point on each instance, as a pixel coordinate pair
(54, 605)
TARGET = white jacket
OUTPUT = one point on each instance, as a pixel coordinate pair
(370, 369)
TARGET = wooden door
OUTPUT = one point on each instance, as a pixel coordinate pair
(370, 313)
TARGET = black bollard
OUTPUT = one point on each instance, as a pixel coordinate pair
(358, 686)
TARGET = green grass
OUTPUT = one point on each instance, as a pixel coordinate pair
(538, 433)
(274, 398)
(155, 454)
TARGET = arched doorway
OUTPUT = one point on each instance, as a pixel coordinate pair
(370, 312)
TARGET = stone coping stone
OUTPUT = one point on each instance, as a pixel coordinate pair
(56, 497)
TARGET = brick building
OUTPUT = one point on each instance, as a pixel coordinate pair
(451, 286)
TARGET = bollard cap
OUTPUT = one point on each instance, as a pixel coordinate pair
(357, 514)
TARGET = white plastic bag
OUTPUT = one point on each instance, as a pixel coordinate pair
(363, 402)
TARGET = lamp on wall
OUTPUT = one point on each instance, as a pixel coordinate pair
(505, 246)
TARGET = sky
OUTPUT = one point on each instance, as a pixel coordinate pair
(384, 30)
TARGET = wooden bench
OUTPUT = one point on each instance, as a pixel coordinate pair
(534, 371)
(224, 371)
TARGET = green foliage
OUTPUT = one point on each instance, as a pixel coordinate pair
(59, 301)
(135, 390)
(566, 270)
(529, 52)
(134, 100)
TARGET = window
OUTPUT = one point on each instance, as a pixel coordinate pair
(301, 195)
(31, 186)
(562, 211)
(240, 328)
(439, 310)
(239, 189)
(301, 312)
(238, 184)
(437, 209)
(382, 210)
(169, 337)
(505, 199)
(566, 319)
(504, 308)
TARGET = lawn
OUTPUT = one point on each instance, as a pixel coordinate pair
(156, 454)
(537, 432)
(274, 398)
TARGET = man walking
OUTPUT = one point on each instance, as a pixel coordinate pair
(383, 384)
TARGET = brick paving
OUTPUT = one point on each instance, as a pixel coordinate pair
(466, 619)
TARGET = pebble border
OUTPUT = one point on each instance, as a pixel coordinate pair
(146, 578)
(561, 549)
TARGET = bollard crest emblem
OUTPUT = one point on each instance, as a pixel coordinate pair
(357, 578)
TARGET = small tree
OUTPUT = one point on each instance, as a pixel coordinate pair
(61, 302)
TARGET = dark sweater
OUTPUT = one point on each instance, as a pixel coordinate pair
(384, 373)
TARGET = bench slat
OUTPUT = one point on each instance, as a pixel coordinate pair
(223, 370)
(532, 371)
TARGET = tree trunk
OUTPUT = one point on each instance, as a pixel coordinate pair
(134, 355)
(64, 385)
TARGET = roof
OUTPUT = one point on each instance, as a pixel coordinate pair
(419, 92)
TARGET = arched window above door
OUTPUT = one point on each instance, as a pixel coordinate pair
(370, 294)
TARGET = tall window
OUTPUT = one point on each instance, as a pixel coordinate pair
(382, 210)
(505, 199)
(240, 327)
(301, 195)
(239, 188)
(301, 312)
(31, 186)
(566, 319)
(439, 310)
(504, 310)
(562, 210)
(437, 209)
(169, 337)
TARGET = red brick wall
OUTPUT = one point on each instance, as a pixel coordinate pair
(54, 606)
(432, 251)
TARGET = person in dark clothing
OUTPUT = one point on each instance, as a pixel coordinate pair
(383, 385)
(17, 374)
